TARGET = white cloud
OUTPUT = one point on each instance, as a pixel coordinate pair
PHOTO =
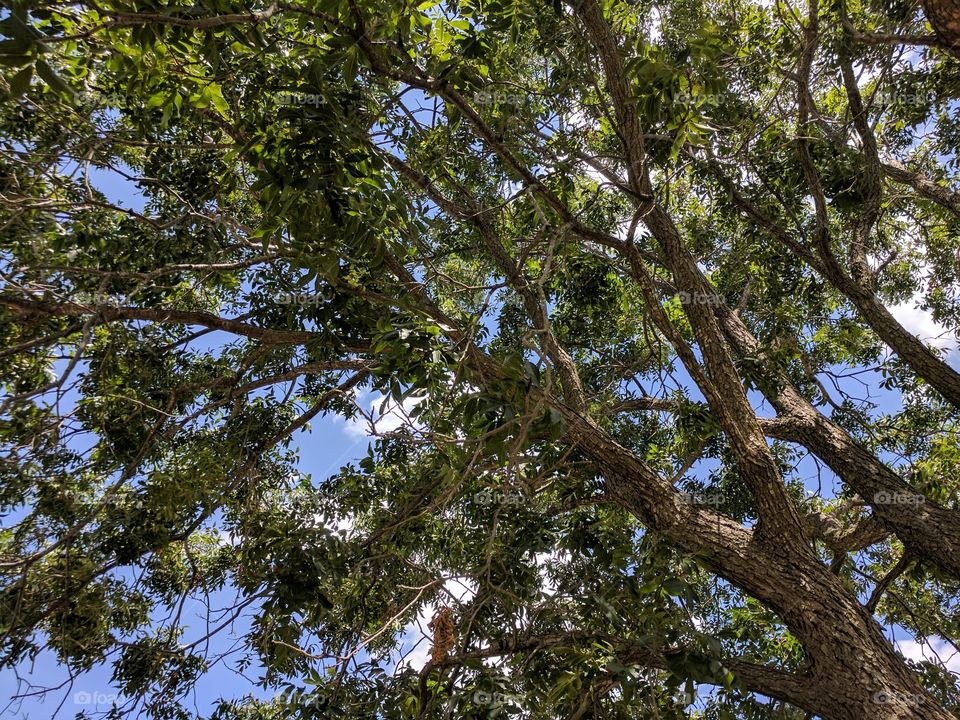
(345, 524)
(543, 561)
(595, 175)
(371, 421)
(921, 323)
(914, 318)
(935, 649)
(418, 656)
(509, 188)
(655, 31)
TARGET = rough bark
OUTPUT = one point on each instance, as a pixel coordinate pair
(925, 187)
(853, 671)
(927, 529)
(908, 347)
(851, 666)
(944, 18)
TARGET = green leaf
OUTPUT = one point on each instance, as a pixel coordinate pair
(21, 81)
(219, 103)
(54, 81)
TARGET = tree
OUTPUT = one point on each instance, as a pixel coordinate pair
(630, 266)
(944, 16)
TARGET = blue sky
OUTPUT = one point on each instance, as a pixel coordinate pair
(329, 444)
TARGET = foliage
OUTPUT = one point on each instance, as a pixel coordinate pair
(446, 205)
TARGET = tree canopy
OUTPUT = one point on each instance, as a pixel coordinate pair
(630, 268)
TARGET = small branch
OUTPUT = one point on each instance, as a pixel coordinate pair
(896, 571)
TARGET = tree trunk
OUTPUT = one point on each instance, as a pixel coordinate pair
(944, 17)
(852, 671)
(929, 530)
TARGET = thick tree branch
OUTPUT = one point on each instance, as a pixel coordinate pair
(112, 313)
